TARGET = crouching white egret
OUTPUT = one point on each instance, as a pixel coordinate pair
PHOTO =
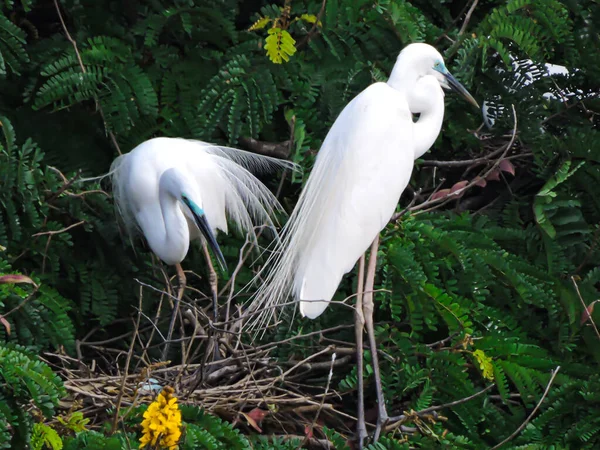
(362, 168)
(176, 190)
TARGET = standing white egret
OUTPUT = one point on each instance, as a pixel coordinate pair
(176, 190)
(362, 168)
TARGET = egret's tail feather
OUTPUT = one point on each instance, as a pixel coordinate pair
(283, 273)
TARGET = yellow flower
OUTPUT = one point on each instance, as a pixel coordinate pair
(162, 422)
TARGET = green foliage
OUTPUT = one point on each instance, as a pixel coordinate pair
(44, 436)
(108, 73)
(546, 205)
(95, 439)
(280, 45)
(529, 25)
(209, 432)
(26, 383)
(13, 55)
(74, 422)
(481, 289)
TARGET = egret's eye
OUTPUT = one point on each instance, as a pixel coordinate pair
(439, 66)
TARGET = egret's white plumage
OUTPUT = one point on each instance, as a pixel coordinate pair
(362, 168)
(150, 182)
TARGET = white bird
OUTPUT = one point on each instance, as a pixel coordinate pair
(362, 168)
(176, 190)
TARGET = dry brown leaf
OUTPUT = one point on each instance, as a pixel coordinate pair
(587, 312)
(6, 324)
(15, 279)
(457, 186)
(252, 422)
(494, 175)
(481, 182)
(506, 166)
(440, 194)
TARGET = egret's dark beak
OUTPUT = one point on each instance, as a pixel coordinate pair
(202, 223)
(459, 88)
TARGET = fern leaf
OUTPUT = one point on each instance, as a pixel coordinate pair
(280, 45)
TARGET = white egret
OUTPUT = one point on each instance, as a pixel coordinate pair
(176, 190)
(362, 168)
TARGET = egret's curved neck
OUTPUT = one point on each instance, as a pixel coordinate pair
(428, 126)
(169, 238)
(424, 96)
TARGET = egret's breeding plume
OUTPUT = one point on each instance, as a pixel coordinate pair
(362, 168)
(176, 190)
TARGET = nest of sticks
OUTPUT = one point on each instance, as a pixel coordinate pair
(241, 383)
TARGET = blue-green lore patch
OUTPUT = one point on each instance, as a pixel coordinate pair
(192, 205)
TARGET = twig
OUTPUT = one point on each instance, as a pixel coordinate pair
(52, 233)
(65, 185)
(312, 426)
(524, 424)
(468, 17)
(306, 39)
(113, 427)
(401, 418)
(460, 37)
(430, 205)
(83, 69)
(585, 307)
(273, 149)
(22, 303)
(451, 26)
(465, 162)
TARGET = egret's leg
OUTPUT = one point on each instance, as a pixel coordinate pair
(359, 323)
(213, 282)
(182, 283)
(368, 307)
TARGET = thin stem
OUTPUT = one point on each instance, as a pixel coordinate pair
(524, 424)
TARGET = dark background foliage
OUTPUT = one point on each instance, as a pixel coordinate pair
(474, 290)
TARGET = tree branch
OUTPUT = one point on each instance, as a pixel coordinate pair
(431, 204)
(306, 39)
(398, 420)
(279, 150)
(83, 69)
(524, 424)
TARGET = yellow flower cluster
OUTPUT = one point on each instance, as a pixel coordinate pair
(162, 422)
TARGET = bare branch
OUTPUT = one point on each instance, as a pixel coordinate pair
(83, 69)
(275, 149)
(524, 424)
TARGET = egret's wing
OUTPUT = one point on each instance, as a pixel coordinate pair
(119, 172)
(361, 170)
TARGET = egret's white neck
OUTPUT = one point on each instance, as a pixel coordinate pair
(424, 96)
(169, 238)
